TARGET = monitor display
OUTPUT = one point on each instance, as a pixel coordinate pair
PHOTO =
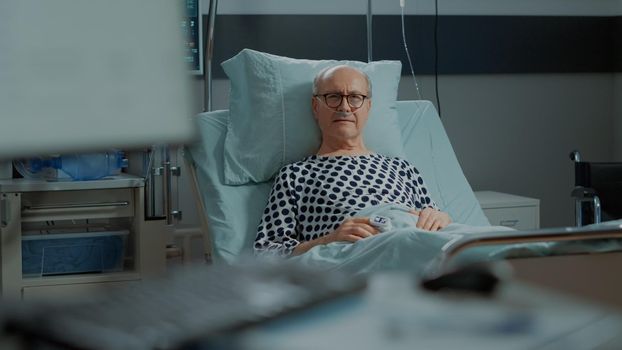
(192, 28)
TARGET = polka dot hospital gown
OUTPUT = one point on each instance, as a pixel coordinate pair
(312, 197)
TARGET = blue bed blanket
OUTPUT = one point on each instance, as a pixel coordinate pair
(406, 247)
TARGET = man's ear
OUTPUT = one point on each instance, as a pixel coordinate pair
(314, 107)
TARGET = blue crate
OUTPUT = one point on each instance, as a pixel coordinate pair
(69, 253)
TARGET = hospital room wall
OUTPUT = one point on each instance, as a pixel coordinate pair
(513, 133)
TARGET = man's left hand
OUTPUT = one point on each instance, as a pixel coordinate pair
(431, 219)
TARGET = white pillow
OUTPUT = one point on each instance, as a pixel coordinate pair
(271, 122)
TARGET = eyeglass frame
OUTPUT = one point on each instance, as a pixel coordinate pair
(341, 100)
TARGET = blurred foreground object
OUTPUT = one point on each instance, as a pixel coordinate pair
(84, 75)
(189, 306)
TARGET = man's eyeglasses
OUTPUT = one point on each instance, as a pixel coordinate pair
(334, 100)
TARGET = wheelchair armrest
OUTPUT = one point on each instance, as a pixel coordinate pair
(585, 194)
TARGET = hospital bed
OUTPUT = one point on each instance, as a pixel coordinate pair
(232, 203)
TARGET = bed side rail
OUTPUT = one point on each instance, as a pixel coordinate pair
(452, 248)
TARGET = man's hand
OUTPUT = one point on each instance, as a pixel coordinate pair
(351, 230)
(431, 219)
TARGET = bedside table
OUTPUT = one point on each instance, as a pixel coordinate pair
(503, 209)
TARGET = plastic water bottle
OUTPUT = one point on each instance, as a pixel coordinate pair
(35, 168)
(85, 166)
(90, 166)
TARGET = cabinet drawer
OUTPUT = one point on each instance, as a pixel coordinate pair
(65, 205)
(520, 218)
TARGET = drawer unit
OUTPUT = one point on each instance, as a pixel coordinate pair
(503, 209)
(520, 218)
(64, 237)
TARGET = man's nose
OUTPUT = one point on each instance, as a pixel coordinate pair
(344, 105)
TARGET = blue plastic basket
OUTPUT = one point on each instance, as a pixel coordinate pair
(70, 253)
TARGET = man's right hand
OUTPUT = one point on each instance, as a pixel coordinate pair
(351, 230)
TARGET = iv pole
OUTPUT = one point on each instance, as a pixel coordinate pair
(369, 32)
(207, 57)
(168, 169)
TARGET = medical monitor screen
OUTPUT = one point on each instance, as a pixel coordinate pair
(192, 29)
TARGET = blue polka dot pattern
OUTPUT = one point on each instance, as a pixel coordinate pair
(306, 191)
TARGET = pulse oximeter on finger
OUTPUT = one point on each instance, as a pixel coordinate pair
(382, 223)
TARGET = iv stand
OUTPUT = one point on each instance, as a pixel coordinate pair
(208, 56)
(167, 170)
(369, 32)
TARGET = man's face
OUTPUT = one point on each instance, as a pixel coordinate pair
(342, 122)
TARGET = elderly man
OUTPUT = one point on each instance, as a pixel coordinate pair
(314, 201)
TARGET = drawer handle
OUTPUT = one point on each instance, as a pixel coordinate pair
(4, 212)
(78, 205)
(509, 223)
